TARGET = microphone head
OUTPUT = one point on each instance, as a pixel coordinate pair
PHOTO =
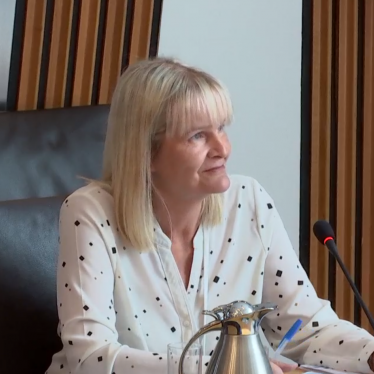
(323, 230)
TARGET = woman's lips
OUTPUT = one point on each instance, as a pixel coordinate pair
(216, 168)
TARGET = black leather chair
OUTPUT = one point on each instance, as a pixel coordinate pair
(41, 155)
(28, 311)
(43, 152)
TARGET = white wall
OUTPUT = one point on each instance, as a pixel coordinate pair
(254, 47)
(7, 11)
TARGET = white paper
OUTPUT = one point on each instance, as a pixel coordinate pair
(320, 369)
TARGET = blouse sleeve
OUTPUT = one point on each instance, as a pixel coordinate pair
(323, 339)
(85, 283)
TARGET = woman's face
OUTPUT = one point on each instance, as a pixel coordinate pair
(193, 165)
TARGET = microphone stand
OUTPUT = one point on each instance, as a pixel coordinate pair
(334, 251)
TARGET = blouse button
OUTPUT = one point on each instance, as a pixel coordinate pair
(186, 323)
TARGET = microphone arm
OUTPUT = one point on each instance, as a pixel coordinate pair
(330, 244)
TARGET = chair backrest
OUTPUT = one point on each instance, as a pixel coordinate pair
(42, 152)
(28, 310)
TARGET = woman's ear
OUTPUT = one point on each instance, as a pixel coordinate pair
(154, 154)
(152, 166)
(153, 161)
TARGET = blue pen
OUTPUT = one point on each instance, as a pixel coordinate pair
(288, 337)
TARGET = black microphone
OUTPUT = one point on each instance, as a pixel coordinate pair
(325, 234)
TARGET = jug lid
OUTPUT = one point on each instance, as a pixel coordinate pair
(240, 317)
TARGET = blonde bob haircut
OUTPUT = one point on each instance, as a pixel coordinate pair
(154, 99)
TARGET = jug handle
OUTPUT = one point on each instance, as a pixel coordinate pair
(211, 326)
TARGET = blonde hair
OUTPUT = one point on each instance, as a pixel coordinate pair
(152, 99)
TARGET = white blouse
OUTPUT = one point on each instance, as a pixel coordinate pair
(120, 308)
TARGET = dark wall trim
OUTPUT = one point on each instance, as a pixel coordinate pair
(72, 53)
(359, 154)
(99, 52)
(306, 134)
(46, 49)
(128, 34)
(155, 30)
(334, 142)
(16, 35)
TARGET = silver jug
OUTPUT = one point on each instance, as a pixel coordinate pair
(239, 349)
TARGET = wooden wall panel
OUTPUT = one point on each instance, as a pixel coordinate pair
(112, 58)
(86, 52)
(80, 60)
(346, 151)
(58, 58)
(342, 156)
(31, 54)
(142, 29)
(321, 117)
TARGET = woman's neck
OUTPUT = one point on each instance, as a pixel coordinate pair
(178, 220)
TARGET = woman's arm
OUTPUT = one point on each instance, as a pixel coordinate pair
(324, 339)
(85, 283)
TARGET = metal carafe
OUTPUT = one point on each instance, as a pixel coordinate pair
(239, 349)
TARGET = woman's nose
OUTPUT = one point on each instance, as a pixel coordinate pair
(220, 146)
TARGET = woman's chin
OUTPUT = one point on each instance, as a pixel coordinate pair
(219, 184)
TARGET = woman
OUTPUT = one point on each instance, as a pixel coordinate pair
(167, 233)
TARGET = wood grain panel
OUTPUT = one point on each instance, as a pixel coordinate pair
(113, 52)
(31, 55)
(141, 31)
(58, 59)
(342, 121)
(367, 266)
(86, 52)
(346, 170)
(90, 43)
(321, 117)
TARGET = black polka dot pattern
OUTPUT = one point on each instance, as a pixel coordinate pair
(103, 280)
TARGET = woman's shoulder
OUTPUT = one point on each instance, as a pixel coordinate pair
(89, 198)
(247, 201)
(247, 191)
(251, 186)
(238, 181)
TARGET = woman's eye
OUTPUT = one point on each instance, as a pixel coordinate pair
(198, 135)
(221, 128)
